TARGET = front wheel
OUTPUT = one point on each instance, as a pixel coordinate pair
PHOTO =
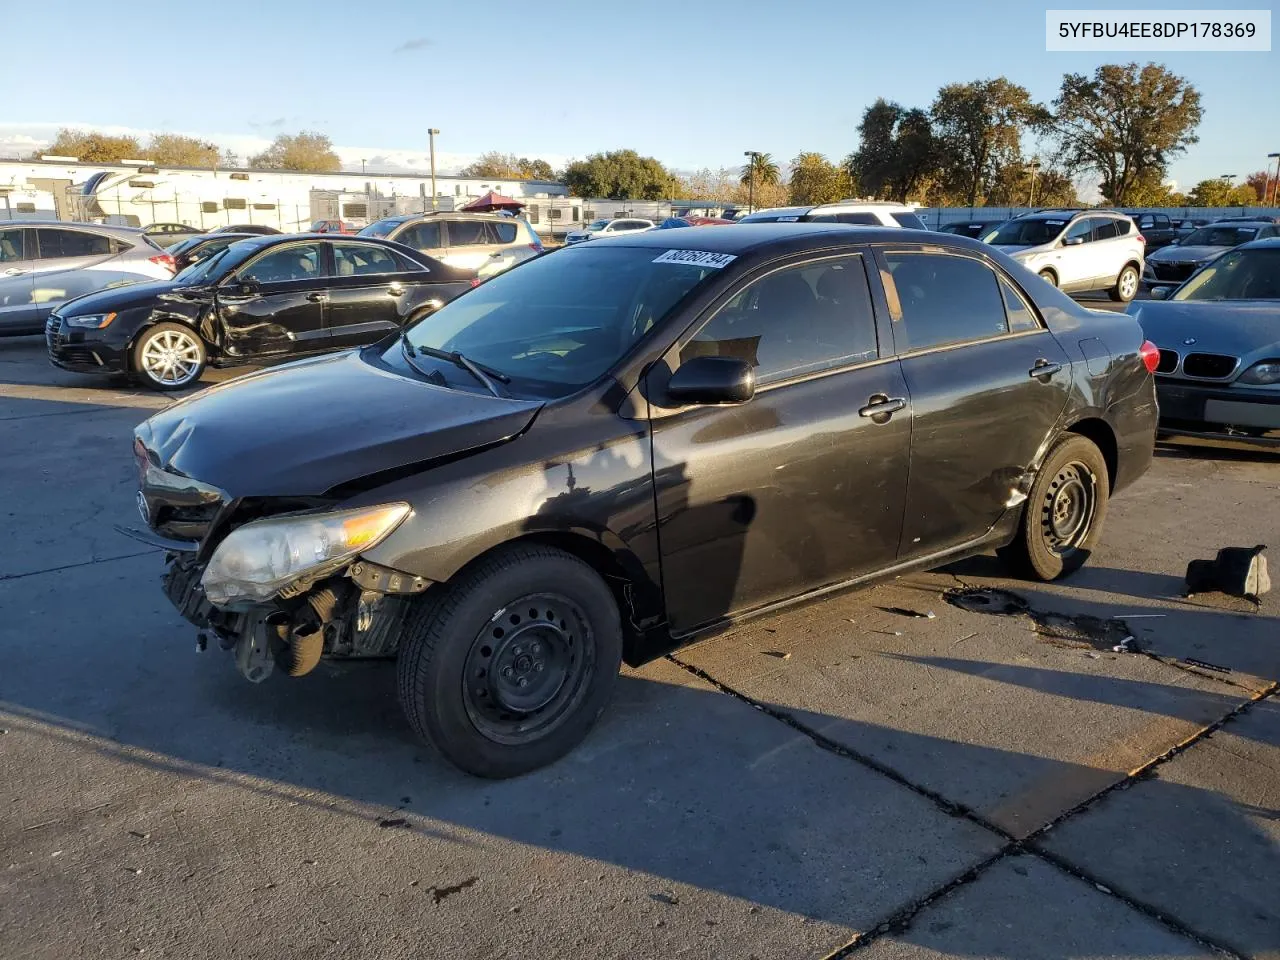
(1062, 521)
(1049, 277)
(509, 669)
(169, 356)
(1126, 287)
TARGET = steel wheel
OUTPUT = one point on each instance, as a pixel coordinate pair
(1066, 513)
(528, 668)
(170, 356)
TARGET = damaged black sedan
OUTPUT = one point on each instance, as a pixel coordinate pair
(602, 455)
(257, 298)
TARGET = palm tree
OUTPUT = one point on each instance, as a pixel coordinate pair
(761, 169)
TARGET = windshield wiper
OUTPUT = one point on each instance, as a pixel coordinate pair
(485, 374)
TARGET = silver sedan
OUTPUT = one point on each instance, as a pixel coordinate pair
(43, 264)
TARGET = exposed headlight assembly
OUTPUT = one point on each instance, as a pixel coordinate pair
(1262, 373)
(91, 321)
(257, 560)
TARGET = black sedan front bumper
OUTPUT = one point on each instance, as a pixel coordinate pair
(84, 351)
(1219, 412)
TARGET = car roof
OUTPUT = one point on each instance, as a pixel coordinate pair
(1264, 243)
(110, 229)
(739, 238)
(1236, 222)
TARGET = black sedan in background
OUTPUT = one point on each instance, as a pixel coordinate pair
(265, 297)
(978, 229)
(201, 247)
(610, 452)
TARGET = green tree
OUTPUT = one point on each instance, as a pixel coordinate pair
(175, 150)
(761, 169)
(619, 175)
(1219, 192)
(507, 166)
(897, 155)
(978, 127)
(761, 196)
(1150, 190)
(306, 151)
(708, 184)
(91, 146)
(1123, 122)
(1012, 187)
(815, 179)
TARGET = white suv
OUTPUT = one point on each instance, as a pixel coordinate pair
(1077, 250)
(867, 213)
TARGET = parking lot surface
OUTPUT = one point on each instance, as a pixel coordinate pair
(848, 778)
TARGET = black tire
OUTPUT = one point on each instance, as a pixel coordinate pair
(462, 653)
(1126, 287)
(1058, 532)
(188, 350)
(1049, 277)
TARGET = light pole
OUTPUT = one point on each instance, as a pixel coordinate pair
(1266, 193)
(432, 134)
(362, 164)
(1034, 167)
(751, 179)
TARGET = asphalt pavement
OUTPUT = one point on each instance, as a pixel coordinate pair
(896, 773)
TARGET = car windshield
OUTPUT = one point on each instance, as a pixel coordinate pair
(597, 224)
(558, 323)
(380, 228)
(1220, 236)
(1027, 233)
(1238, 275)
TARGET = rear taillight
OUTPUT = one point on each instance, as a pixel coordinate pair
(475, 281)
(1150, 355)
(536, 246)
(164, 260)
(1142, 240)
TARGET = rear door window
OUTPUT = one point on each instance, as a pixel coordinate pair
(1106, 229)
(466, 233)
(501, 232)
(363, 260)
(944, 300)
(71, 243)
(1019, 313)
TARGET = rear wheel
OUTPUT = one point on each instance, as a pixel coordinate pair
(1049, 277)
(1126, 287)
(509, 669)
(169, 356)
(1063, 518)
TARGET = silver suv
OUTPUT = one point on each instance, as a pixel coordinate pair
(47, 263)
(1077, 250)
(484, 242)
(867, 213)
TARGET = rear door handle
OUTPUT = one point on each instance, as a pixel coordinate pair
(13, 272)
(395, 289)
(1043, 370)
(880, 407)
(317, 297)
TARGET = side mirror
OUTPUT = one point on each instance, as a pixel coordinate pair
(245, 288)
(1073, 241)
(708, 380)
(1161, 293)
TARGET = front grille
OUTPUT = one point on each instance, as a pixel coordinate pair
(1172, 271)
(1209, 366)
(53, 336)
(187, 522)
(1168, 361)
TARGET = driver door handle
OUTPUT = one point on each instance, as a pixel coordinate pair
(12, 272)
(880, 407)
(1043, 370)
(396, 289)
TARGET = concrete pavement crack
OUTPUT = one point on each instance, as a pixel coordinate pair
(901, 919)
(6, 577)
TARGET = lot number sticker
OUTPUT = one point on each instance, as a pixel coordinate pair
(697, 258)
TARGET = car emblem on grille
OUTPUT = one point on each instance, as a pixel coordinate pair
(1189, 341)
(144, 509)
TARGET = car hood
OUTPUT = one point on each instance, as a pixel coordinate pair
(1186, 254)
(1236, 327)
(307, 427)
(1016, 249)
(132, 295)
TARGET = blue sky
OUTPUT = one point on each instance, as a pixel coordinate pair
(693, 83)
